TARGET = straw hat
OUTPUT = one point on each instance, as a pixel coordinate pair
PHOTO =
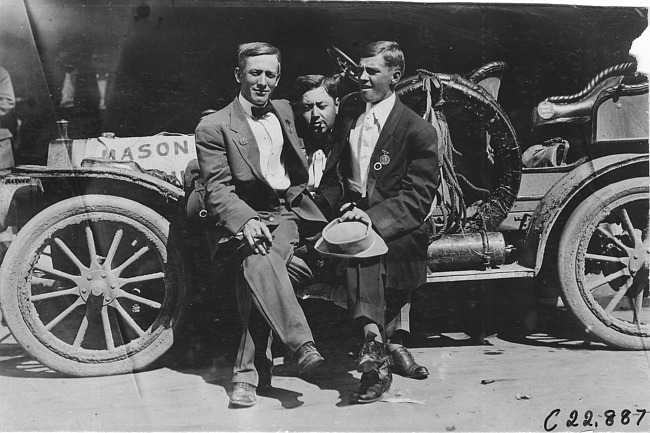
(350, 239)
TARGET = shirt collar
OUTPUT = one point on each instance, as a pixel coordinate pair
(246, 105)
(382, 109)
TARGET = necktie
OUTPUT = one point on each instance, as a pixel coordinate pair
(259, 112)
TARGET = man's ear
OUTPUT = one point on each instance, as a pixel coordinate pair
(336, 104)
(238, 74)
(396, 76)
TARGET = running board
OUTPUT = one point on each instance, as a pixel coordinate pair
(512, 270)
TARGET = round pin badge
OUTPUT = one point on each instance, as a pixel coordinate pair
(384, 159)
(377, 166)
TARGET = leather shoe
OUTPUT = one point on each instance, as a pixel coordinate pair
(373, 386)
(243, 395)
(308, 357)
(373, 353)
(404, 364)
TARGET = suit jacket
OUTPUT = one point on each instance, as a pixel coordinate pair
(235, 190)
(85, 117)
(399, 195)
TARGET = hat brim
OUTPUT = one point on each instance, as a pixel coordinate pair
(377, 248)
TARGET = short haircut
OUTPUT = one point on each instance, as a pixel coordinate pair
(252, 49)
(391, 51)
(305, 83)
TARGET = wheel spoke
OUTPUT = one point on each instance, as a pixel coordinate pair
(140, 299)
(140, 278)
(81, 333)
(613, 238)
(64, 314)
(113, 249)
(638, 305)
(108, 335)
(57, 273)
(117, 271)
(593, 285)
(629, 227)
(115, 304)
(55, 294)
(70, 255)
(619, 295)
(601, 258)
(92, 249)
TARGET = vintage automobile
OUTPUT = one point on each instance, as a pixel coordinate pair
(94, 282)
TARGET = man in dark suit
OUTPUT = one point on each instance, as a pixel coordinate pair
(382, 170)
(254, 170)
(87, 96)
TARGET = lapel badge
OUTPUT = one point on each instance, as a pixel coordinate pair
(288, 122)
(243, 141)
(378, 166)
(384, 159)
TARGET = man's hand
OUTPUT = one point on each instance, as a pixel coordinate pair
(353, 213)
(258, 236)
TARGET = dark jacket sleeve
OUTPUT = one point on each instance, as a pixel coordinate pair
(406, 211)
(221, 201)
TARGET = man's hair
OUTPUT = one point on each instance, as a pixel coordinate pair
(391, 51)
(252, 49)
(305, 83)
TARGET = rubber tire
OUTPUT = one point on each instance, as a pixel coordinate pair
(575, 238)
(29, 331)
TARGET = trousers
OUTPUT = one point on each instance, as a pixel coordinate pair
(266, 286)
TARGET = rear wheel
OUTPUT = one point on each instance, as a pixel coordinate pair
(87, 287)
(603, 263)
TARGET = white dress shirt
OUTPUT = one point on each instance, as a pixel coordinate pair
(102, 81)
(68, 91)
(268, 135)
(363, 139)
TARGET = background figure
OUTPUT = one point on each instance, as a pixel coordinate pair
(7, 130)
(85, 91)
(316, 104)
(7, 121)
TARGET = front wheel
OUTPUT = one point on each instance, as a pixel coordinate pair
(603, 262)
(89, 286)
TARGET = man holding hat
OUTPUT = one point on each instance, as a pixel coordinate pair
(381, 172)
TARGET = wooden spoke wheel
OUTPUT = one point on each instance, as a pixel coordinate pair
(603, 261)
(89, 287)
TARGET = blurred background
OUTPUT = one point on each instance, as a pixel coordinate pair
(169, 60)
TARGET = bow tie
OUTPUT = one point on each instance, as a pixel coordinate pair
(259, 112)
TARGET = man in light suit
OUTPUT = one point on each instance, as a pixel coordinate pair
(382, 170)
(255, 175)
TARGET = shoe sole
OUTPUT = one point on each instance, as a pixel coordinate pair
(311, 366)
(235, 405)
(415, 376)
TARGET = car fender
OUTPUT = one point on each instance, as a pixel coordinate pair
(21, 193)
(566, 194)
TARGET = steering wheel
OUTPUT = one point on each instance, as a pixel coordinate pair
(346, 65)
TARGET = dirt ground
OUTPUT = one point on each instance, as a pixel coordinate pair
(531, 372)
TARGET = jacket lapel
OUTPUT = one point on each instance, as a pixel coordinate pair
(244, 139)
(383, 142)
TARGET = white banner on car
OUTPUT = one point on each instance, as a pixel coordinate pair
(165, 152)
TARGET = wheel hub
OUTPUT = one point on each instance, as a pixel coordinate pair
(98, 283)
(639, 259)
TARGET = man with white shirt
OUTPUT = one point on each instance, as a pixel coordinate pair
(86, 94)
(255, 176)
(382, 170)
